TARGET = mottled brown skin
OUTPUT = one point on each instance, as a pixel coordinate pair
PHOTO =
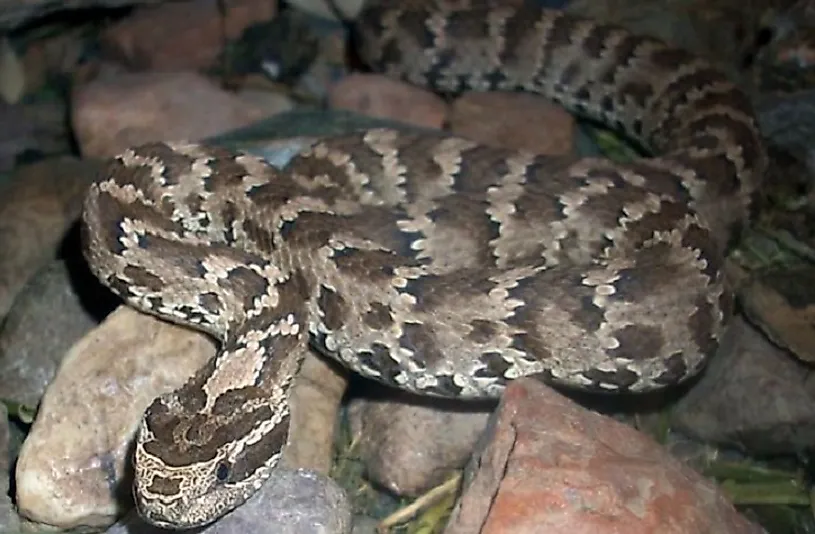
(425, 261)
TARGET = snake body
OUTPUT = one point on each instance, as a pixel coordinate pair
(426, 261)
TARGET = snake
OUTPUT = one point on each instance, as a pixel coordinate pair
(424, 260)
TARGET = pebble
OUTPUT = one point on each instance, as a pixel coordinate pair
(382, 97)
(723, 407)
(49, 315)
(410, 446)
(517, 121)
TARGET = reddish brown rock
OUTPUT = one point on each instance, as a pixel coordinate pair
(552, 466)
(181, 35)
(385, 98)
(113, 113)
(514, 120)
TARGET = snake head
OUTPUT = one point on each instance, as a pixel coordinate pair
(190, 469)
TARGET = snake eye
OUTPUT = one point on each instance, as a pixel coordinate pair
(222, 472)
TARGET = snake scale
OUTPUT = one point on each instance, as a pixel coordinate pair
(426, 261)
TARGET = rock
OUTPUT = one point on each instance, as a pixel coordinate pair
(46, 319)
(753, 395)
(56, 55)
(9, 521)
(12, 73)
(37, 206)
(181, 35)
(111, 114)
(365, 525)
(314, 403)
(36, 128)
(511, 120)
(290, 502)
(271, 102)
(322, 8)
(379, 96)
(14, 13)
(788, 120)
(782, 305)
(783, 64)
(408, 445)
(549, 465)
(72, 467)
(518, 121)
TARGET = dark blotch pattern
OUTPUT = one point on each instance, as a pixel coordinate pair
(208, 439)
(144, 278)
(419, 338)
(259, 453)
(482, 331)
(165, 485)
(638, 342)
(496, 364)
(259, 234)
(701, 323)
(211, 302)
(621, 379)
(700, 239)
(675, 370)
(378, 359)
(560, 34)
(445, 387)
(287, 228)
(378, 317)
(333, 307)
(368, 265)
(246, 284)
(594, 45)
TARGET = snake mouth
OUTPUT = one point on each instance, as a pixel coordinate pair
(185, 511)
(146, 513)
(197, 495)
